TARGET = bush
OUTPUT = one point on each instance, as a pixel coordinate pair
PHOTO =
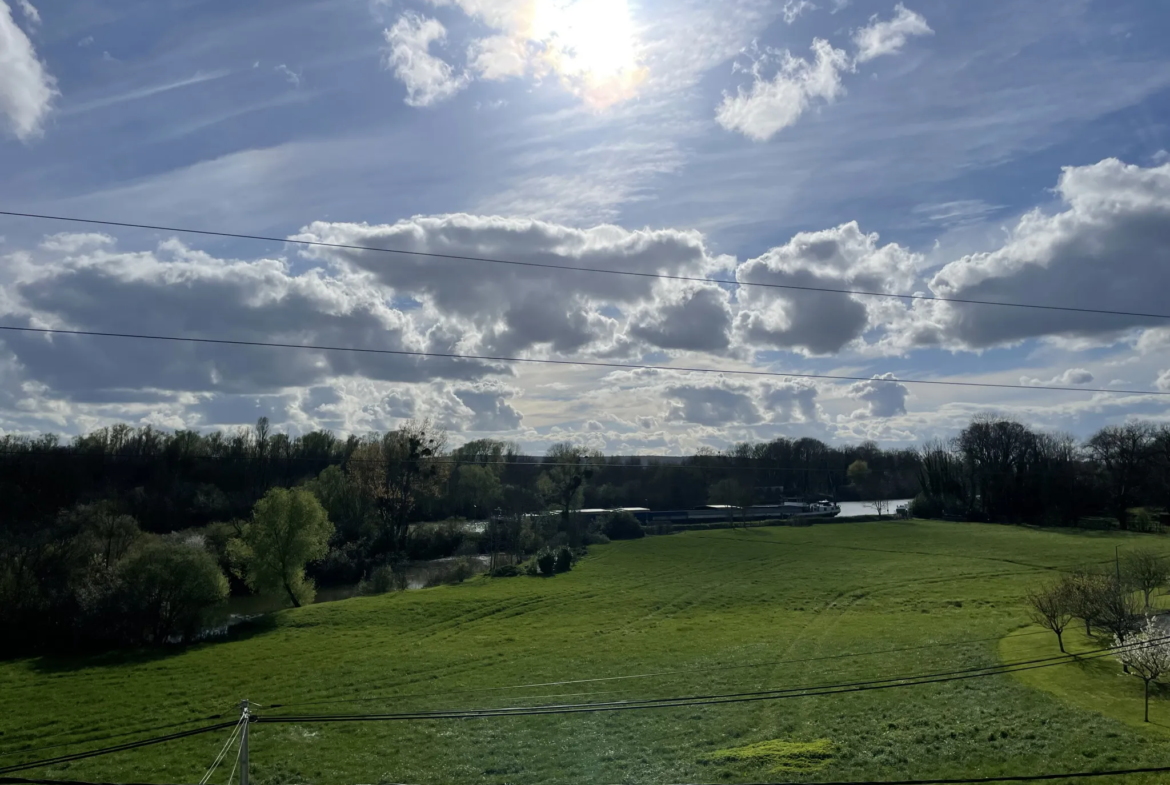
(564, 560)
(505, 571)
(596, 538)
(383, 579)
(546, 563)
(924, 507)
(166, 589)
(621, 525)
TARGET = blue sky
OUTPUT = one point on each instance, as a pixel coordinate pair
(1014, 148)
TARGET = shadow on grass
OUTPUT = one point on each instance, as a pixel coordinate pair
(130, 658)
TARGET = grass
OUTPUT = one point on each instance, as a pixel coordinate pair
(714, 611)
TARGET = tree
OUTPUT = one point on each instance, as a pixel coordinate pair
(1146, 654)
(166, 587)
(399, 471)
(1146, 571)
(564, 481)
(1086, 596)
(477, 489)
(1052, 606)
(1124, 453)
(858, 473)
(289, 529)
(1117, 609)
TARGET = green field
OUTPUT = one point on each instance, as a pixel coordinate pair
(722, 611)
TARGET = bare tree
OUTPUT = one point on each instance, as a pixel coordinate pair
(1146, 654)
(1124, 453)
(1052, 606)
(1086, 593)
(1117, 608)
(1146, 571)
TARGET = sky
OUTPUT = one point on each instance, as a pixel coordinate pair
(1006, 150)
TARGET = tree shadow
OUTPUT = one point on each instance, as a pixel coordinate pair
(131, 658)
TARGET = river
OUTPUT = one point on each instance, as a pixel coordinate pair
(849, 509)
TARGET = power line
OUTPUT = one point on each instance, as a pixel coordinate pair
(581, 363)
(26, 750)
(581, 269)
(953, 781)
(132, 745)
(771, 663)
(535, 463)
(707, 700)
(28, 781)
(1002, 778)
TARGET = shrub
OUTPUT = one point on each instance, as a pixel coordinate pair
(166, 588)
(505, 571)
(924, 507)
(564, 560)
(383, 579)
(546, 563)
(621, 525)
(596, 538)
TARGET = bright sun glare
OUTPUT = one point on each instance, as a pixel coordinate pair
(591, 43)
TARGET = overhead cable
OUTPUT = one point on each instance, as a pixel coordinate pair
(578, 363)
(581, 269)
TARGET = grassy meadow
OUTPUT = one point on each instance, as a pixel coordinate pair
(695, 613)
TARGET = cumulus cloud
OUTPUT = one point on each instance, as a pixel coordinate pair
(1070, 377)
(694, 318)
(498, 57)
(1163, 381)
(506, 309)
(887, 38)
(820, 322)
(429, 80)
(27, 89)
(885, 397)
(720, 402)
(86, 284)
(1109, 248)
(771, 105)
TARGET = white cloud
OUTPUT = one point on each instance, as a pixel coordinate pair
(429, 80)
(885, 398)
(498, 57)
(1072, 376)
(771, 105)
(794, 8)
(291, 76)
(27, 89)
(1109, 248)
(31, 14)
(820, 322)
(88, 41)
(505, 309)
(1163, 381)
(888, 38)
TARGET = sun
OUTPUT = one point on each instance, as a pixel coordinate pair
(592, 44)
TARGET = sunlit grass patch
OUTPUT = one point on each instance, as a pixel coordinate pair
(779, 754)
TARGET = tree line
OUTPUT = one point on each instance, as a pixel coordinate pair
(85, 523)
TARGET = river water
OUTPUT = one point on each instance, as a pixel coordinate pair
(859, 508)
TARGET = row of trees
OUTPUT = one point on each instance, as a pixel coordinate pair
(999, 469)
(1113, 603)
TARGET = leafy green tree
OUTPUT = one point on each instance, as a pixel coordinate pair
(478, 490)
(289, 529)
(858, 473)
(166, 587)
(397, 472)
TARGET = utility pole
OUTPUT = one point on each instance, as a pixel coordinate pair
(246, 718)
